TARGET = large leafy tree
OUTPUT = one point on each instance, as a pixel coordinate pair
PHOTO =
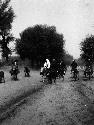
(87, 49)
(40, 42)
(6, 18)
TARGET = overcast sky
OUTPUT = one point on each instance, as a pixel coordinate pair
(73, 18)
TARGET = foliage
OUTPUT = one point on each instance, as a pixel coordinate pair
(80, 61)
(68, 59)
(87, 49)
(40, 42)
(6, 19)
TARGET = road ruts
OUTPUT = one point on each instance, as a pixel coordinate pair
(64, 103)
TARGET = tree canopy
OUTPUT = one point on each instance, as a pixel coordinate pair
(68, 59)
(87, 49)
(80, 61)
(40, 42)
(6, 18)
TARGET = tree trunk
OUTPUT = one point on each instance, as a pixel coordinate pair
(4, 48)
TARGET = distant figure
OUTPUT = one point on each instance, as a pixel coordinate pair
(27, 71)
(47, 64)
(54, 65)
(15, 64)
(2, 79)
(88, 68)
(45, 69)
(53, 69)
(62, 69)
(73, 66)
(89, 62)
(74, 70)
(14, 70)
(63, 66)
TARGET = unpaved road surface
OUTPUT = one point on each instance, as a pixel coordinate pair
(64, 103)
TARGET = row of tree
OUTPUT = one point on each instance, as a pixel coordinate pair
(35, 43)
(41, 42)
(6, 18)
(87, 49)
(38, 42)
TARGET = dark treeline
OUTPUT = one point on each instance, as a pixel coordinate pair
(6, 18)
(87, 49)
(68, 59)
(40, 42)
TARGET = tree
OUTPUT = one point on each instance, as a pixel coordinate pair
(6, 19)
(68, 59)
(40, 42)
(80, 61)
(87, 49)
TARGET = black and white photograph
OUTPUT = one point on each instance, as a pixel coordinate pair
(46, 62)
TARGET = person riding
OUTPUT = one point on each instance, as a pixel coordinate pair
(62, 67)
(74, 66)
(54, 66)
(89, 63)
(47, 64)
(16, 63)
(89, 66)
(15, 66)
(14, 69)
(27, 71)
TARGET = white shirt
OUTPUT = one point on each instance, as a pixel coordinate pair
(47, 64)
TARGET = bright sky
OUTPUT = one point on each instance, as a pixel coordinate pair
(73, 18)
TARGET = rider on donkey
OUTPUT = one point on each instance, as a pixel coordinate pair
(54, 68)
(62, 68)
(88, 67)
(47, 64)
(74, 66)
(74, 70)
(45, 69)
(15, 66)
(26, 71)
(14, 70)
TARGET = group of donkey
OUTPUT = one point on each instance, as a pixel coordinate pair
(51, 75)
(14, 72)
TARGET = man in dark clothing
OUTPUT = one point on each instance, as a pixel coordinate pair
(27, 71)
(62, 68)
(74, 65)
(53, 65)
(74, 70)
(89, 67)
(15, 66)
(53, 70)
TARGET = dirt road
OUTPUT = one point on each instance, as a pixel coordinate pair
(64, 103)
